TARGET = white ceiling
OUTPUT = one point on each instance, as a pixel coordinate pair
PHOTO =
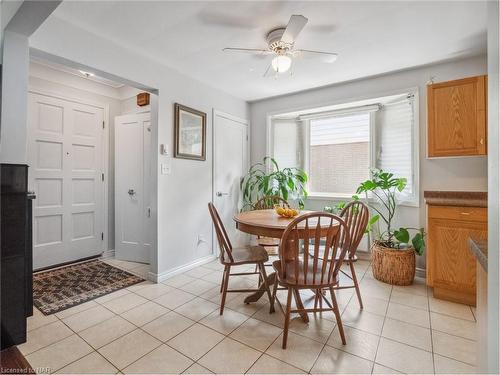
(371, 37)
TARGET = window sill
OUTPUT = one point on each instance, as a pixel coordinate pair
(347, 198)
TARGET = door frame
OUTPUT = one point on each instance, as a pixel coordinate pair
(215, 113)
(105, 150)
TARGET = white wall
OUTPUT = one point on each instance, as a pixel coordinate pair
(435, 174)
(47, 80)
(183, 195)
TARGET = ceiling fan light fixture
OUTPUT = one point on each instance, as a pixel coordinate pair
(281, 63)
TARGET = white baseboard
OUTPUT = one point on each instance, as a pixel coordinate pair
(158, 278)
(420, 272)
(108, 253)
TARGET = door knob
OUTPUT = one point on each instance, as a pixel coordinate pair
(220, 193)
(131, 192)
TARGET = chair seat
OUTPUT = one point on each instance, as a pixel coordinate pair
(290, 273)
(268, 241)
(247, 255)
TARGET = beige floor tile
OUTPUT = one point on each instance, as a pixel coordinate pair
(127, 349)
(195, 368)
(453, 326)
(85, 319)
(333, 361)
(375, 289)
(226, 323)
(408, 299)
(93, 363)
(141, 271)
(300, 352)
(256, 334)
(197, 308)
(238, 304)
(198, 272)
(373, 305)
(162, 360)
(418, 287)
(406, 333)
(404, 358)
(60, 354)
(454, 347)
(167, 326)
(269, 365)
(135, 287)
(178, 280)
(229, 357)
(363, 320)
(153, 291)
(409, 314)
(214, 277)
(449, 366)
(317, 328)
(44, 336)
(360, 343)
(455, 310)
(110, 296)
(196, 341)
(174, 299)
(382, 370)
(277, 318)
(121, 304)
(145, 313)
(38, 320)
(198, 287)
(76, 309)
(105, 332)
(215, 265)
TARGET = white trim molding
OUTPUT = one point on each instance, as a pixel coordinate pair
(158, 278)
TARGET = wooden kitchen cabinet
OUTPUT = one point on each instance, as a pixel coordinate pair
(451, 268)
(456, 117)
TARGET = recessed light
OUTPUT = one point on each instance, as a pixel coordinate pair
(86, 74)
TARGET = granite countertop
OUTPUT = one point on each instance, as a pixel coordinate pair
(479, 249)
(457, 198)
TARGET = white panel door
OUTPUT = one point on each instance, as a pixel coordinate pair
(65, 159)
(230, 166)
(132, 195)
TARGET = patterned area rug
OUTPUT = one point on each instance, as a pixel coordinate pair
(65, 287)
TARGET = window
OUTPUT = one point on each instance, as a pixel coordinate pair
(337, 147)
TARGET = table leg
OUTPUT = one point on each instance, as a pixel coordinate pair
(254, 297)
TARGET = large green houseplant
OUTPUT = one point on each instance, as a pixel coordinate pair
(393, 249)
(267, 179)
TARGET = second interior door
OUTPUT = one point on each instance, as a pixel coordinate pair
(132, 195)
(230, 166)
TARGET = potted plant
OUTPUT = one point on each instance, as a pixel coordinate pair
(267, 179)
(394, 249)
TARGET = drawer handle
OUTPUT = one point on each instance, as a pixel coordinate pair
(465, 213)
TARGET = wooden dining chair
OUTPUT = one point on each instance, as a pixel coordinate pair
(356, 216)
(316, 270)
(230, 257)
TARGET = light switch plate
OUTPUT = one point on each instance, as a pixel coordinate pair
(165, 168)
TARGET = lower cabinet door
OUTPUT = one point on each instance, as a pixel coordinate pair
(453, 265)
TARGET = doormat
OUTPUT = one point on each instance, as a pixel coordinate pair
(65, 287)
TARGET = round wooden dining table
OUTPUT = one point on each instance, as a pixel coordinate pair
(267, 223)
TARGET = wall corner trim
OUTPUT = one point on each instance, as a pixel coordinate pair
(158, 278)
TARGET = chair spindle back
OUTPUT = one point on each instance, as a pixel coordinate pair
(222, 237)
(269, 201)
(331, 240)
(355, 215)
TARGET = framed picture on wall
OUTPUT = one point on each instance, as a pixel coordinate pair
(190, 133)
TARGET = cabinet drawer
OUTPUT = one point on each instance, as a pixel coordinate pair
(474, 214)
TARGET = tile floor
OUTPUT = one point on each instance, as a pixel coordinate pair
(174, 327)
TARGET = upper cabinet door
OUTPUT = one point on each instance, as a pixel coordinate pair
(457, 117)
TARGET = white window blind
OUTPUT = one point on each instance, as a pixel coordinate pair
(287, 142)
(395, 147)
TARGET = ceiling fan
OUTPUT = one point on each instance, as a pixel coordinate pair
(281, 42)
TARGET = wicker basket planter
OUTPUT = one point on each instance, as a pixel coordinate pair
(396, 267)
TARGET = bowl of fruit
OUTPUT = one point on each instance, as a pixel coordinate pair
(286, 211)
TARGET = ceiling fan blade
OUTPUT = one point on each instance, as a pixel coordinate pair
(327, 57)
(293, 29)
(248, 50)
